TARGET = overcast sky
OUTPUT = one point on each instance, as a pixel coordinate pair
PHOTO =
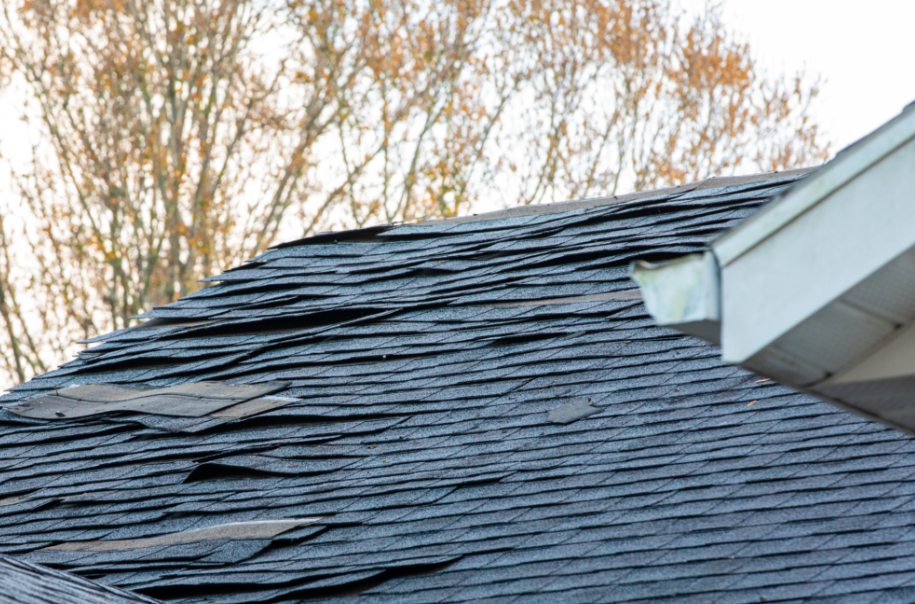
(862, 50)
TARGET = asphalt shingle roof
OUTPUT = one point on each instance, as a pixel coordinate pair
(428, 360)
(25, 583)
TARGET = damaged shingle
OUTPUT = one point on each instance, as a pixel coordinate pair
(427, 368)
(24, 583)
(187, 400)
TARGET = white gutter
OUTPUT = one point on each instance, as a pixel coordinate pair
(817, 290)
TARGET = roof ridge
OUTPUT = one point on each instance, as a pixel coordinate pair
(716, 182)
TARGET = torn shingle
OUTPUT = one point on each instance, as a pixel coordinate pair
(24, 583)
(187, 400)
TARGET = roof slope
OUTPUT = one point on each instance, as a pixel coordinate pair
(424, 461)
(24, 583)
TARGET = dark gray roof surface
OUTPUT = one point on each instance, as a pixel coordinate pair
(24, 583)
(426, 461)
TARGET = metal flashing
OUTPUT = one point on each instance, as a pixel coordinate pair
(683, 293)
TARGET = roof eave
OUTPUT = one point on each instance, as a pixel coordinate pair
(817, 290)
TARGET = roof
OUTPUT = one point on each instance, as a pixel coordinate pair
(25, 583)
(473, 411)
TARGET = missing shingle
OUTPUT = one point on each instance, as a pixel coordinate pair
(575, 409)
(187, 400)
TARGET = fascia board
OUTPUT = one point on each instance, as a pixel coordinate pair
(816, 188)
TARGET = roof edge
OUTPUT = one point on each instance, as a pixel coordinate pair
(576, 204)
(831, 177)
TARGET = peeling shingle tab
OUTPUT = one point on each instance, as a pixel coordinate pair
(24, 583)
(187, 400)
(425, 367)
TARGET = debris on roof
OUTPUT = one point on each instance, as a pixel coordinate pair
(423, 365)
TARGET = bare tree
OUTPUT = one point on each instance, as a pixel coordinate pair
(175, 138)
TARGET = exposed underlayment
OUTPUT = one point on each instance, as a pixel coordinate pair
(440, 439)
(25, 583)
